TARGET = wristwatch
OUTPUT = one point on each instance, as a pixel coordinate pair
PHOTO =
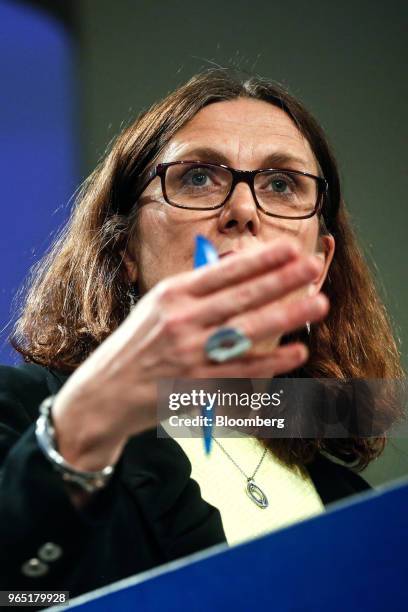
(45, 434)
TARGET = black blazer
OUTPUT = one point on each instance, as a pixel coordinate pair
(150, 513)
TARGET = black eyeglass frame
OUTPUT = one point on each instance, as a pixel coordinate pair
(238, 176)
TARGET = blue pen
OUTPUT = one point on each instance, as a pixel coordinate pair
(205, 253)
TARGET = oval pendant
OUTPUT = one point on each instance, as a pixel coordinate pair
(256, 494)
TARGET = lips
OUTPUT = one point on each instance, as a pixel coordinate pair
(227, 253)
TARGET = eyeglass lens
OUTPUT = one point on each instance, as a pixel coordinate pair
(279, 192)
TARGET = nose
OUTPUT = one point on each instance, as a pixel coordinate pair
(240, 213)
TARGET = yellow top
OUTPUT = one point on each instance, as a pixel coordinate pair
(291, 495)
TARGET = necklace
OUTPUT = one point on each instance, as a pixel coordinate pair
(253, 491)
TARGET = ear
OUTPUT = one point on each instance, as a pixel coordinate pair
(325, 250)
(130, 266)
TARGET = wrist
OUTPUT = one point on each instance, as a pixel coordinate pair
(89, 481)
(83, 435)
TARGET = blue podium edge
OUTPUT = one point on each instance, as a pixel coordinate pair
(213, 551)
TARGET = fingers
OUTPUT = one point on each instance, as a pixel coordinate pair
(258, 291)
(278, 318)
(246, 291)
(187, 341)
(239, 266)
(282, 360)
(270, 321)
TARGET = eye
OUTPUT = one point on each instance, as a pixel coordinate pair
(279, 185)
(197, 177)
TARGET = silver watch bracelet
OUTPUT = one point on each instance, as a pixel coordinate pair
(45, 434)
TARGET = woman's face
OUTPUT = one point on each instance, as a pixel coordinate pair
(241, 133)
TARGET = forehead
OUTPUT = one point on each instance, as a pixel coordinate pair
(245, 131)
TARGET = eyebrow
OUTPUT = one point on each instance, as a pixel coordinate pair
(208, 154)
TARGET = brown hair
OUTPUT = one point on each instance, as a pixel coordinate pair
(78, 293)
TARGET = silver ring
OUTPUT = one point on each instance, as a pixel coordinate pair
(226, 343)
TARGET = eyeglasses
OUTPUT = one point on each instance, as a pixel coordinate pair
(286, 194)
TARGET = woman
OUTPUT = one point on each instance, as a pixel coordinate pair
(91, 494)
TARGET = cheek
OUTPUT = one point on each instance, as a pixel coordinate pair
(164, 241)
(152, 225)
(307, 233)
(155, 235)
(171, 226)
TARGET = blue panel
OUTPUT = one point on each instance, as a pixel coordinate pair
(38, 166)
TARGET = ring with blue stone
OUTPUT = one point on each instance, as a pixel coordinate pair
(226, 343)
